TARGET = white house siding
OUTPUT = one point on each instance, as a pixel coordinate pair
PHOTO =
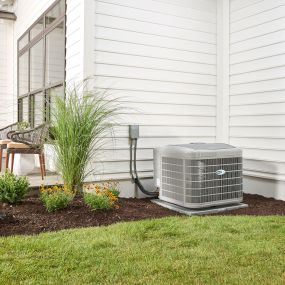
(159, 58)
(257, 91)
(6, 72)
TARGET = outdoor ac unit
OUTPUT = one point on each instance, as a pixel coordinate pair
(199, 175)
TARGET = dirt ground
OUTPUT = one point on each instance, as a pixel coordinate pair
(30, 217)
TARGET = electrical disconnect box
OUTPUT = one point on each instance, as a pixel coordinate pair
(134, 131)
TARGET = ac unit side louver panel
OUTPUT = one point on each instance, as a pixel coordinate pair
(199, 175)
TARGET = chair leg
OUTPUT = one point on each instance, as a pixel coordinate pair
(7, 160)
(12, 161)
(41, 166)
(1, 156)
(44, 163)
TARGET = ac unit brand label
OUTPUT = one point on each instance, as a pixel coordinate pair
(220, 172)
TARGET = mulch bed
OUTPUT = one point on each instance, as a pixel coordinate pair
(258, 206)
(30, 217)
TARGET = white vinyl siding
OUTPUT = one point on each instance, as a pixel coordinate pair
(162, 59)
(6, 72)
(159, 58)
(257, 85)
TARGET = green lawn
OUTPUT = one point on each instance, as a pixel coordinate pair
(182, 250)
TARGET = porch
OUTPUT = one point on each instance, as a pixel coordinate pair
(34, 175)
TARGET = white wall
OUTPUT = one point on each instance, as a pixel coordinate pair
(159, 58)
(6, 72)
(257, 91)
(165, 61)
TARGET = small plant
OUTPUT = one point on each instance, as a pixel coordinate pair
(102, 196)
(12, 188)
(98, 202)
(56, 197)
(114, 188)
(23, 125)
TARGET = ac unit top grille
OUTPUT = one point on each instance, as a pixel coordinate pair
(206, 146)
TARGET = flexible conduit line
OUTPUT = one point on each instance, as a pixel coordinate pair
(134, 173)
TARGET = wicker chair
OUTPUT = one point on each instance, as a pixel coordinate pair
(28, 142)
(5, 138)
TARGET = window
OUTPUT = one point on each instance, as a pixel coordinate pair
(25, 102)
(37, 109)
(55, 47)
(24, 41)
(37, 28)
(36, 66)
(23, 74)
(54, 13)
(51, 97)
(41, 65)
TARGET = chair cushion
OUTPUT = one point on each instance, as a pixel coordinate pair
(5, 141)
(17, 145)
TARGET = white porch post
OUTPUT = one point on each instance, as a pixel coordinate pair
(88, 38)
(80, 38)
(223, 71)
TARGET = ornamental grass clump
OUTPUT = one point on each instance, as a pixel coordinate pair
(79, 124)
(12, 188)
(102, 196)
(56, 197)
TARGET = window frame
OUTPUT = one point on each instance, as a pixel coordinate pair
(27, 48)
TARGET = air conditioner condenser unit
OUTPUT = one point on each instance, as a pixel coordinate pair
(199, 175)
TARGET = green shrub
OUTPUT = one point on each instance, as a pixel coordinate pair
(55, 198)
(12, 188)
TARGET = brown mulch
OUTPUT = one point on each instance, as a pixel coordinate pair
(258, 206)
(30, 217)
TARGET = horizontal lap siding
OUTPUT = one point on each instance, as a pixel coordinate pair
(6, 72)
(257, 84)
(159, 58)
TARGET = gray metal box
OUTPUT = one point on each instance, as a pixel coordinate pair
(199, 175)
(134, 131)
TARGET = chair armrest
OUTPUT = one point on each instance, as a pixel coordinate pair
(19, 137)
(9, 134)
(7, 127)
(33, 137)
(4, 131)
